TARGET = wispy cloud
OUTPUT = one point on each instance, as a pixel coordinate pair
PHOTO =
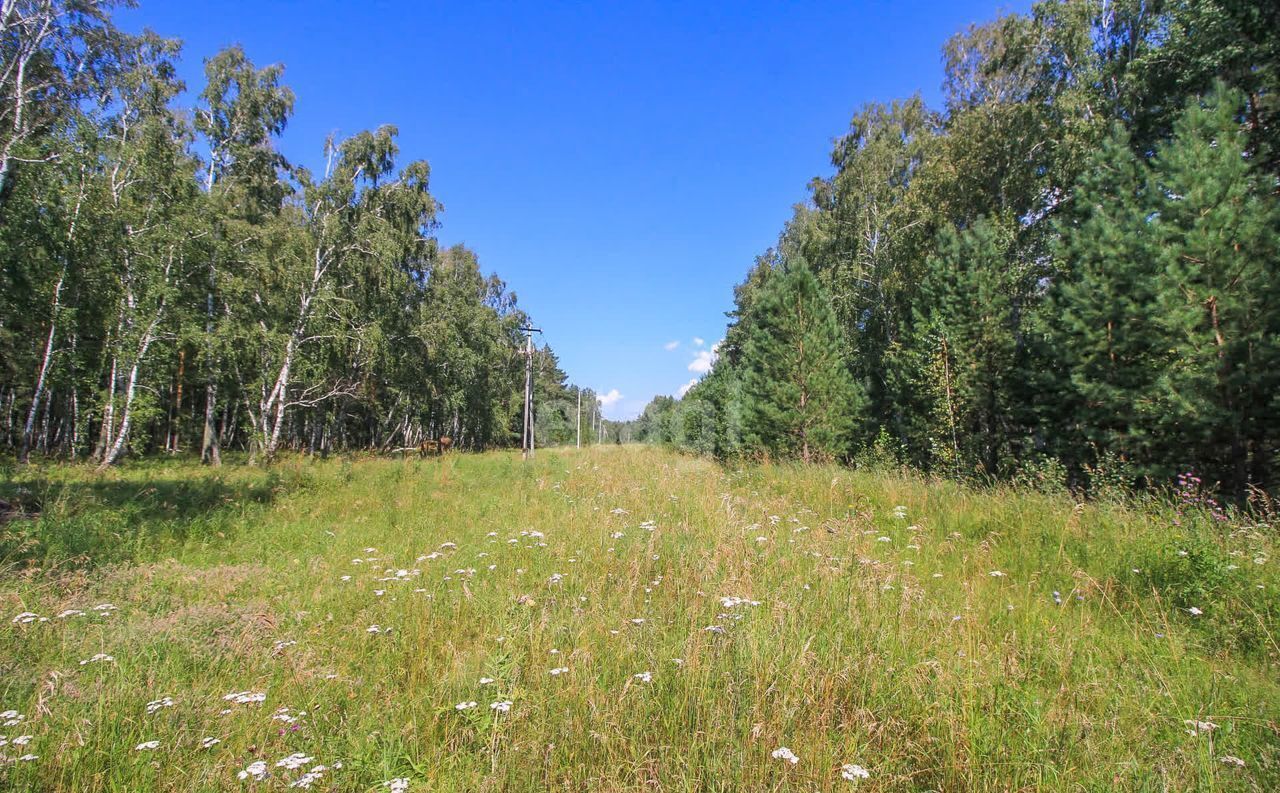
(612, 397)
(698, 342)
(684, 389)
(671, 345)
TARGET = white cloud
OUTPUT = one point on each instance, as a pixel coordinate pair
(671, 345)
(684, 389)
(702, 361)
(610, 398)
(698, 342)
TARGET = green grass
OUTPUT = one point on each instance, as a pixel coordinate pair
(905, 656)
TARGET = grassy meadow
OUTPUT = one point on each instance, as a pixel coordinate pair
(624, 618)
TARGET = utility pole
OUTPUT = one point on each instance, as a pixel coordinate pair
(526, 442)
(579, 417)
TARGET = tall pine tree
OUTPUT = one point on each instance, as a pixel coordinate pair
(798, 398)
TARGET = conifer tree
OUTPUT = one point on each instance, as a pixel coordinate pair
(1216, 226)
(798, 398)
(971, 295)
(1166, 318)
(1107, 348)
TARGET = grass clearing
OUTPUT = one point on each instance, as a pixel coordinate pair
(906, 626)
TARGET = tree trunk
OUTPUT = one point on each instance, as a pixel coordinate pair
(176, 426)
(45, 362)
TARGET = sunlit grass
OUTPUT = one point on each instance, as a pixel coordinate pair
(925, 644)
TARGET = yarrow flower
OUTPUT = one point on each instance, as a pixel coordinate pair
(783, 753)
(643, 677)
(1195, 612)
(245, 697)
(98, 658)
(559, 670)
(1198, 727)
(397, 785)
(164, 702)
(147, 746)
(294, 761)
(464, 706)
(209, 743)
(305, 781)
(256, 769)
(854, 772)
(502, 706)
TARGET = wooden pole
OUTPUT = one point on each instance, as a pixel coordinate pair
(526, 441)
(528, 387)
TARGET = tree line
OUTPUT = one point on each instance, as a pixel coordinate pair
(170, 282)
(1070, 270)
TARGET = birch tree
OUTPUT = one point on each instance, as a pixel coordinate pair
(362, 214)
(153, 215)
(242, 109)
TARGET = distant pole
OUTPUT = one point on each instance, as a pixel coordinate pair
(579, 418)
(526, 441)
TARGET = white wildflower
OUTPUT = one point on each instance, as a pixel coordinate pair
(854, 772)
(147, 746)
(245, 697)
(98, 658)
(164, 702)
(256, 769)
(294, 761)
(783, 753)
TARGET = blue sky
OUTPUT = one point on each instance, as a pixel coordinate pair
(618, 164)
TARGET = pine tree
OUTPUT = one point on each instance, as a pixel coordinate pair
(1106, 349)
(798, 398)
(1166, 318)
(1216, 232)
(969, 322)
